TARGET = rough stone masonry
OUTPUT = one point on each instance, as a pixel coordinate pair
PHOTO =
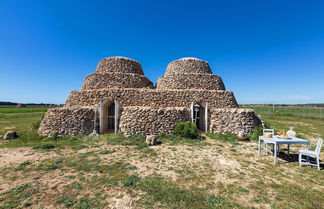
(119, 98)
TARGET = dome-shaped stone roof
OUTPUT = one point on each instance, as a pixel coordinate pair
(117, 72)
(188, 65)
(189, 73)
(119, 65)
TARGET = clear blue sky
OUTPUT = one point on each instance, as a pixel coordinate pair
(266, 51)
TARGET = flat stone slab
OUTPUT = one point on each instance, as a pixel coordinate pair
(151, 140)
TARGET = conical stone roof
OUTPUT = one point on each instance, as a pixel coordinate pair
(117, 72)
(190, 73)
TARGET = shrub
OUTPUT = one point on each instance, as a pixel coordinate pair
(186, 129)
(257, 131)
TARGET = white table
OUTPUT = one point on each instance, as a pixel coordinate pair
(277, 141)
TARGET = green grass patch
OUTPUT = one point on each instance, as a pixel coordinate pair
(106, 152)
(23, 165)
(22, 110)
(14, 197)
(49, 166)
(119, 139)
(67, 201)
(45, 147)
(228, 138)
(131, 181)
(174, 140)
(167, 194)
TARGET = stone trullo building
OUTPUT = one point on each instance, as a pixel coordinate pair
(119, 98)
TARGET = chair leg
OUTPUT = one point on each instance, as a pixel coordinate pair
(318, 164)
(299, 159)
(266, 147)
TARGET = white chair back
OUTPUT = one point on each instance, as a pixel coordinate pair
(319, 146)
(271, 131)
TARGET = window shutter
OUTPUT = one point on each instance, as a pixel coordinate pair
(206, 117)
(192, 112)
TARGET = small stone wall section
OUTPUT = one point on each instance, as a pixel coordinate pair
(119, 65)
(67, 121)
(148, 121)
(233, 120)
(115, 80)
(153, 97)
(190, 81)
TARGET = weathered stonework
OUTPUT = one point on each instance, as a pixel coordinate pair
(117, 72)
(124, 100)
(68, 121)
(115, 80)
(119, 65)
(189, 73)
(232, 120)
(191, 81)
(151, 121)
(188, 65)
(152, 97)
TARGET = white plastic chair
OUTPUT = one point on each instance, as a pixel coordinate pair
(314, 154)
(270, 131)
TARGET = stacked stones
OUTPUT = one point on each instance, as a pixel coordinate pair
(68, 121)
(151, 121)
(117, 72)
(232, 120)
(155, 98)
(145, 109)
(190, 73)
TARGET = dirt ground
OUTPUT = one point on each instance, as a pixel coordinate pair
(216, 167)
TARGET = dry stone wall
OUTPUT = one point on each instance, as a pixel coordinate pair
(191, 81)
(188, 65)
(115, 80)
(151, 121)
(153, 97)
(67, 121)
(232, 120)
(119, 65)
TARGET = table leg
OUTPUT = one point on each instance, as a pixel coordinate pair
(266, 147)
(307, 157)
(288, 151)
(259, 147)
(275, 153)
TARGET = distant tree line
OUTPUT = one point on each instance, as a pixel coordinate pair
(14, 104)
(282, 105)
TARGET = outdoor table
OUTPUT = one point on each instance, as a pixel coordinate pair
(276, 141)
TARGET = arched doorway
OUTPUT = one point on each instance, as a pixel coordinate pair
(109, 115)
(199, 115)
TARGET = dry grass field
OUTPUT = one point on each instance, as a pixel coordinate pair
(112, 171)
